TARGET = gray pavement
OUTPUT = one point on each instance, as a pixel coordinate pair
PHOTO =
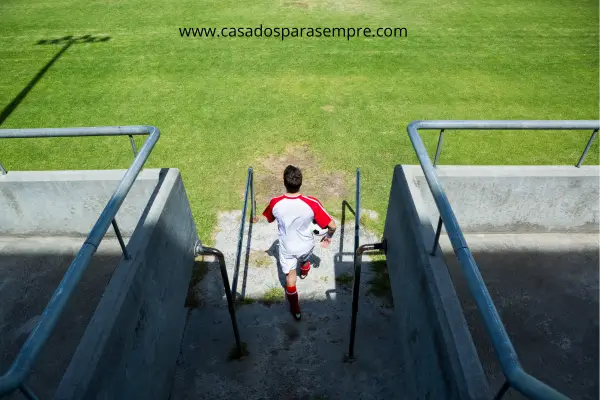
(288, 359)
(545, 287)
(30, 270)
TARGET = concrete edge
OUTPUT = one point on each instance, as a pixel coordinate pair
(464, 359)
(90, 349)
(505, 170)
(76, 175)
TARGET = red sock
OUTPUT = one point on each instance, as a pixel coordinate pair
(292, 296)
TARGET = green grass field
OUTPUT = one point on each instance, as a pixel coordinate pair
(225, 104)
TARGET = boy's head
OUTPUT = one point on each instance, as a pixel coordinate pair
(292, 179)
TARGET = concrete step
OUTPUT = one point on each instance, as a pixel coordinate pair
(289, 359)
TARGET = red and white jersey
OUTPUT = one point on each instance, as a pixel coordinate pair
(294, 215)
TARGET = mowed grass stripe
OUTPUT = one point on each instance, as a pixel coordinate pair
(225, 104)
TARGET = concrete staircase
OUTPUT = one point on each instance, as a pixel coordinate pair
(288, 359)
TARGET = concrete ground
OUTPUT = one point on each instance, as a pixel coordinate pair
(545, 287)
(288, 359)
(30, 270)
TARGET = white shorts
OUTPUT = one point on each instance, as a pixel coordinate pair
(289, 262)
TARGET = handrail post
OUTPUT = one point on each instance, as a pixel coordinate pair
(587, 148)
(133, 145)
(345, 205)
(438, 149)
(358, 251)
(357, 263)
(356, 293)
(201, 250)
(27, 392)
(516, 377)
(252, 194)
(20, 368)
(342, 232)
(238, 256)
(438, 232)
(357, 213)
(120, 238)
(503, 389)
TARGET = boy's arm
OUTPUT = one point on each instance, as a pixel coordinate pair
(268, 214)
(326, 241)
(323, 219)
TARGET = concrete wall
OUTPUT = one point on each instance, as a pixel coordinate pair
(68, 203)
(130, 347)
(437, 348)
(517, 199)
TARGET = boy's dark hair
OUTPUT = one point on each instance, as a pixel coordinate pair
(292, 179)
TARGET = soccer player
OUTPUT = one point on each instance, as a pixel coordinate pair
(295, 213)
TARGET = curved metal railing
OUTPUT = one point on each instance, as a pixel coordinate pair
(15, 377)
(359, 250)
(515, 376)
(248, 192)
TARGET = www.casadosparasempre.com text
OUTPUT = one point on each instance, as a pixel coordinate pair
(293, 32)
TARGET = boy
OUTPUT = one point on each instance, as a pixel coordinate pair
(294, 213)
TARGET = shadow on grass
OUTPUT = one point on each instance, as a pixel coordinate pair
(66, 41)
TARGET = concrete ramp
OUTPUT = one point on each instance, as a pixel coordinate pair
(128, 334)
(534, 235)
(289, 359)
(437, 349)
(120, 334)
(545, 287)
(30, 270)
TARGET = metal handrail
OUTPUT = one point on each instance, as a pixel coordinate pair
(579, 127)
(21, 367)
(345, 205)
(515, 376)
(199, 250)
(249, 186)
(349, 357)
(357, 263)
(357, 213)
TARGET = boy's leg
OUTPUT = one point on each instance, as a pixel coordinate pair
(288, 267)
(292, 294)
(304, 264)
(290, 278)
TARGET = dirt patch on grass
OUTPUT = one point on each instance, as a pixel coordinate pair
(340, 6)
(327, 108)
(299, 4)
(327, 186)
